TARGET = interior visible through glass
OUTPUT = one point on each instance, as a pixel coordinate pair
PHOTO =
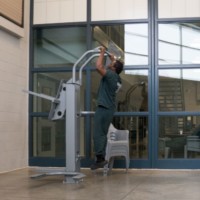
(179, 137)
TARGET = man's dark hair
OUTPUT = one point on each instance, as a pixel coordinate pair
(118, 66)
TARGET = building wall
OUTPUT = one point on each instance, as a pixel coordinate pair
(178, 8)
(60, 11)
(14, 65)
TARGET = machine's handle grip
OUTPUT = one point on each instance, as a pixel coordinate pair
(107, 53)
(97, 49)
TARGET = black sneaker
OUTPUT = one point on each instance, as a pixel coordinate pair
(97, 165)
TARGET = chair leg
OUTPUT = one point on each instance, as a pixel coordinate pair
(105, 170)
(108, 167)
(127, 163)
(110, 164)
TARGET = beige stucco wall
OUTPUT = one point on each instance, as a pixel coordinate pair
(61, 11)
(178, 8)
(14, 64)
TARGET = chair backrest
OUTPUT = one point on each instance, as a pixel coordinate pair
(119, 134)
(122, 135)
(111, 128)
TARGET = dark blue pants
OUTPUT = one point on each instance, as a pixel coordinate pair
(102, 119)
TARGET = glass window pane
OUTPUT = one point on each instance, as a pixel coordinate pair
(179, 90)
(133, 95)
(48, 83)
(191, 34)
(169, 53)
(48, 138)
(58, 47)
(181, 44)
(191, 55)
(138, 134)
(131, 40)
(136, 44)
(173, 33)
(179, 137)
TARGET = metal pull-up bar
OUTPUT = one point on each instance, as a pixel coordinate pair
(96, 51)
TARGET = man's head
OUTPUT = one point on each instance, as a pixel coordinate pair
(117, 66)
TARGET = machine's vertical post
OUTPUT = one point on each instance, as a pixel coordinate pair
(72, 122)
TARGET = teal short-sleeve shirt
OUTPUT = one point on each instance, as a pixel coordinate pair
(108, 88)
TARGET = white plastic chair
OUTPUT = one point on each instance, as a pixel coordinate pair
(117, 145)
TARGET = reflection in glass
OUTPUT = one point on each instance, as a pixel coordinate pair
(58, 47)
(138, 134)
(169, 54)
(190, 54)
(179, 137)
(179, 90)
(136, 44)
(130, 39)
(133, 95)
(48, 83)
(48, 138)
(181, 44)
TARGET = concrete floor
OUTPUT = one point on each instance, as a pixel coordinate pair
(134, 185)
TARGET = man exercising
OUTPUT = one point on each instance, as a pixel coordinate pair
(106, 104)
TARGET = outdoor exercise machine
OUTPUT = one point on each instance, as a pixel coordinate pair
(67, 104)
